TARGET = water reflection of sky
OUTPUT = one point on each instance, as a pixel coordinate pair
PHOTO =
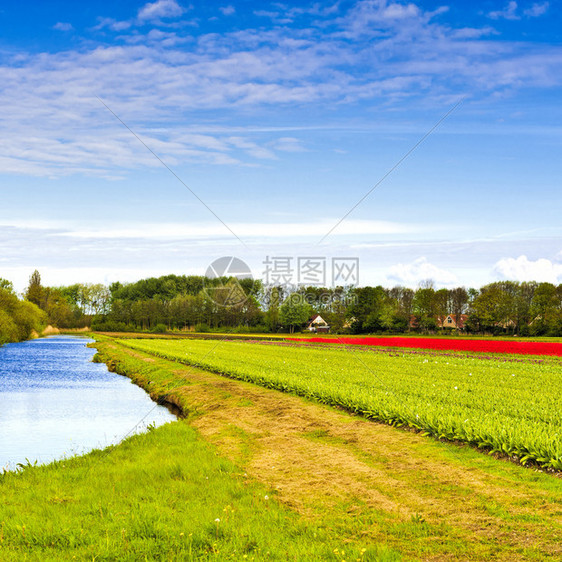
(55, 402)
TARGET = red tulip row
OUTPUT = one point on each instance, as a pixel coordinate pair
(482, 346)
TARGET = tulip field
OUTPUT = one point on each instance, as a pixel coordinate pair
(518, 347)
(506, 404)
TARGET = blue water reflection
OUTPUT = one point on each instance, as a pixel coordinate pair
(55, 402)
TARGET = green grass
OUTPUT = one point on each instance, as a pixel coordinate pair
(505, 405)
(163, 495)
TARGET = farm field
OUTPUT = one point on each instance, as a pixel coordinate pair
(252, 473)
(372, 491)
(504, 404)
(519, 347)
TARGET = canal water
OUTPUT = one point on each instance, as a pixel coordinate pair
(55, 403)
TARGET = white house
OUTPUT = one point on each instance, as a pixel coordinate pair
(317, 324)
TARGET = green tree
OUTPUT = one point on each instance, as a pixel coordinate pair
(544, 310)
(441, 303)
(493, 309)
(34, 292)
(424, 307)
(18, 319)
(366, 309)
(294, 312)
(458, 303)
(7, 285)
(272, 301)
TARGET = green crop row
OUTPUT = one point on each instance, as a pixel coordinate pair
(512, 407)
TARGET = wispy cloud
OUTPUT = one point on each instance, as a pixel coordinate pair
(63, 26)
(508, 13)
(159, 82)
(175, 231)
(160, 9)
(227, 10)
(537, 10)
(112, 24)
(288, 144)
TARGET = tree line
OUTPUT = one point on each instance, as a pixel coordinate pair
(178, 302)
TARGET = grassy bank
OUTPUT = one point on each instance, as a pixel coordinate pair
(164, 495)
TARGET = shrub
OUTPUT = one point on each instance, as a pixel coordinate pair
(18, 319)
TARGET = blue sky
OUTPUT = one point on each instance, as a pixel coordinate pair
(281, 117)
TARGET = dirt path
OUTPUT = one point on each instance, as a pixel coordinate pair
(430, 500)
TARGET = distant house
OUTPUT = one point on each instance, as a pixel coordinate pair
(506, 324)
(449, 321)
(317, 324)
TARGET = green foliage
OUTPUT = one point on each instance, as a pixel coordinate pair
(7, 285)
(180, 302)
(34, 292)
(521, 308)
(509, 406)
(294, 312)
(18, 319)
(72, 306)
(89, 298)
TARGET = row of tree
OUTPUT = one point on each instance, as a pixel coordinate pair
(72, 306)
(182, 302)
(186, 302)
(510, 307)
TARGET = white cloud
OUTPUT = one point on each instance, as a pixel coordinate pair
(51, 123)
(69, 251)
(251, 148)
(160, 9)
(288, 144)
(508, 13)
(276, 17)
(63, 26)
(112, 24)
(170, 231)
(523, 269)
(399, 11)
(473, 32)
(412, 274)
(537, 10)
(227, 10)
